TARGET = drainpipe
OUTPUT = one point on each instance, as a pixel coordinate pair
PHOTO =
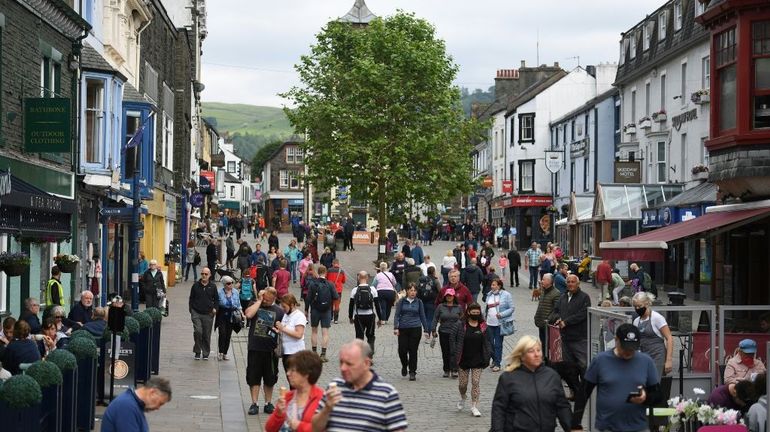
(596, 147)
(75, 102)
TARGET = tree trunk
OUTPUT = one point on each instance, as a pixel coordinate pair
(382, 219)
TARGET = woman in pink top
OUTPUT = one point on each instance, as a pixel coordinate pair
(385, 282)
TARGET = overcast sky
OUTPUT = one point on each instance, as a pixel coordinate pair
(252, 45)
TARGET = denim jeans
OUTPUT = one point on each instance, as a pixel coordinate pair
(532, 277)
(496, 340)
(293, 270)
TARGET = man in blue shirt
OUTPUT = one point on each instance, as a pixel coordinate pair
(126, 412)
(560, 278)
(627, 383)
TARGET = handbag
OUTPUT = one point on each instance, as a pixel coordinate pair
(278, 351)
(236, 322)
(507, 328)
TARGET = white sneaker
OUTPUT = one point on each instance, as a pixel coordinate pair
(461, 405)
(475, 411)
(427, 340)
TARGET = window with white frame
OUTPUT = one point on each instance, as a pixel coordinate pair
(633, 106)
(232, 191)
(683, 90)
(526, 128)
(526, 176)
(662, 92)
(290, 154)
(299, 155)
(632, 46)
(284, 179)
(700, 7)
(646, 36)
(95, 121)
(622, 51)
(167, 144)
(150, 82)
(678, 15)
(705, 66)
(495, 144)
(662, 25)
(585, 173)
(50, 72)
(231, 166)
(294, 182)
(647, 99)
(661, 161)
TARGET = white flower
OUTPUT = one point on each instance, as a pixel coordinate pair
(698, 391)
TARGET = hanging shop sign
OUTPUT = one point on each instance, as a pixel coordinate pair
(47, 125)
(207, 182)
(196, 200)
(507, 186)
(554, 160)
(218, 160)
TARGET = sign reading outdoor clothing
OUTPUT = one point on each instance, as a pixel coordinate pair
(47, 125)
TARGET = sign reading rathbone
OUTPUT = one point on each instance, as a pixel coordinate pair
(47, 125)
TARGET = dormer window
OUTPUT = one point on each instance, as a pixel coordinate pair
(632, 53)
(677, 15)
(646, 36)
(622, 51)
(662, 25)
(700, 7)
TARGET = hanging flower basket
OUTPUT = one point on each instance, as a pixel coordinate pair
(66, 263)
(14, 264)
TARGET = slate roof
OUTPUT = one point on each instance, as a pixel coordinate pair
(130, 94)
(530, 92)
(359, 14)
(608, 94)
(675, 42)
(91, 60)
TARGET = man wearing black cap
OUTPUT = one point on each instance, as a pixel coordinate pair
(627, 382)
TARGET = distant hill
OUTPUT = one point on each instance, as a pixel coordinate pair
(249, 126)
(478, 95)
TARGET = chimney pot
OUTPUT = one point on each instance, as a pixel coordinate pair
(523, 63)
(555, 64)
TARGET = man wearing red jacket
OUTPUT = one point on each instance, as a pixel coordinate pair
(336, 276)
(462, 293)
(604, 278)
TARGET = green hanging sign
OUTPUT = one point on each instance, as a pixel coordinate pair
(47, 125)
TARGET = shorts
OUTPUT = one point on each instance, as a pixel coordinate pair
(262, 368)
(325, 318)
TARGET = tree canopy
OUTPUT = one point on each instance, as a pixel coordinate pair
(381, 114)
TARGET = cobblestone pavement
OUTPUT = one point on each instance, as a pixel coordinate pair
(430, 401)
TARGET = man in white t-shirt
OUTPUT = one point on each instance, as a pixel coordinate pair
(425, 264)
(362, 309)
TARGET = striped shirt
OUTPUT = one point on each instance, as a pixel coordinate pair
(376, 407)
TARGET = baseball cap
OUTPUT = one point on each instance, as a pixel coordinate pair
(749, 346)
(449, 291)
(628, 335)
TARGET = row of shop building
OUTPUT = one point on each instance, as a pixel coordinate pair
(660, 158)
(99, 106)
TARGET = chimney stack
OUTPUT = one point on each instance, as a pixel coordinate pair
(507, 74)
(523, 64)
(556, 64)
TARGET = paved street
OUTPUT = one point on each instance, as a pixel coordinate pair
(205, 393)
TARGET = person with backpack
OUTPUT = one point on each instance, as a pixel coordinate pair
(473, 277)
(362, 308)
(193, 259)
(337, 276)
(243, 256)
(321, 294)
(427, 291)
(246, 290)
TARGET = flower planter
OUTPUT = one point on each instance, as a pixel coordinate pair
(155, 364)
(20, 419)
(701, 176)
(86, 393)
(67, 267)
(69, 400)
(50, 417)
(142, 355)
(631, 130)
(645, 124)
(15, 269)
(660, 118)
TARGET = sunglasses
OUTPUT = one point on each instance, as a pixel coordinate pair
(228, 283)
(205, 274)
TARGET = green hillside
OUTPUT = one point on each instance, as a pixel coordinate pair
(250, 127)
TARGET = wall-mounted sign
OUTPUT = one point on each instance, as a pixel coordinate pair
(47, 125)
(170, 202)
(578, 149)
(528, 201)
(676, 121)
(196, 200)
(207, 181)
(554, 160)
(218, 160)
(628, 172)
(507, 186)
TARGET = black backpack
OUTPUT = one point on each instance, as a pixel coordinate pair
(323, 296)
(425, 289)
(262, 277)
(364, 299)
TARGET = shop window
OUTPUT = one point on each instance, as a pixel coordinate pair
(760, 35)
(587, 237)
(725, 51)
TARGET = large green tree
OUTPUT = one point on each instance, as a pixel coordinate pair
(381, 114)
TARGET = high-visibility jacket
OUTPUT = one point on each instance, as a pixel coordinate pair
(54, 293)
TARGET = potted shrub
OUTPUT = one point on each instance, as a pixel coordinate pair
(84, 334)
(20, 398)
(645, 123)
(701, 96)
(50, 379)
(67, 364)
(14, 263)
(143, 347)
(66, 263)
(86, 353)
(700, 172)
(660, 116)
(157, 317)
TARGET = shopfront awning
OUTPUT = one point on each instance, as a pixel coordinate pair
(650, 246)
(28, 211)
